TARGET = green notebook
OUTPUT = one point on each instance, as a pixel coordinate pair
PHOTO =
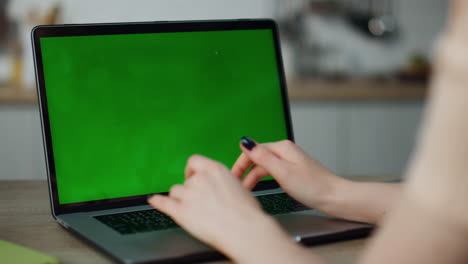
(12, 253)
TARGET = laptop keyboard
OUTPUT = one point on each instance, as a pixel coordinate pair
(137, 222)
(153, 220)
(280, 203)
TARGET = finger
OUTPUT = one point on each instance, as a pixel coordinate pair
(164, 204)
(198, 163)
(241, 165)
(177, 191)
(188, 181)
(254, 176)
(264, 157)
(285, 149)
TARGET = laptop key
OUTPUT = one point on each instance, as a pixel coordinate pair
(153, 220)
(280, 203)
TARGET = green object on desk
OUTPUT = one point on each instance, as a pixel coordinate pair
(12, 253)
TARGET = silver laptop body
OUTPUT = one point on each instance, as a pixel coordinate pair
(171, 244)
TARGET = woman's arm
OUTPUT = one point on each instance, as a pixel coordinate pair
(367, 202)
(430, 223)
(414, 234)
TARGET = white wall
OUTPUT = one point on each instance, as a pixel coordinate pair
(418, 21)
(90, 11)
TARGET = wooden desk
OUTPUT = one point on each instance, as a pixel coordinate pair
(25, 219)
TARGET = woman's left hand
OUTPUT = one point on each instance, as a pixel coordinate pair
(214, 207)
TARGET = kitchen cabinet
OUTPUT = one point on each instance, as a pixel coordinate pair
(317, 128)
(21, 152)
(358, 138)
(351, 138)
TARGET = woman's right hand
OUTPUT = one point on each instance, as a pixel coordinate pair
(301, 176)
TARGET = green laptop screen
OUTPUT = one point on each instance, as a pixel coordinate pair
(127, 111)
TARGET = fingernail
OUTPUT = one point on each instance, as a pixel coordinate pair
(248, 143)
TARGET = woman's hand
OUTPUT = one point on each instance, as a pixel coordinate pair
(214, 207)
(297, 173)
(310, 183)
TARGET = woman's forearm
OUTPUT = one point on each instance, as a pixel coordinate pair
(365, 202)
(415, 234)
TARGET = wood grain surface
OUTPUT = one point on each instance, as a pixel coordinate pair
(25, 219)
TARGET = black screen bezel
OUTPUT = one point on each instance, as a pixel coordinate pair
(135, 28)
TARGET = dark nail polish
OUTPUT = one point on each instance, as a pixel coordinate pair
(248, 143)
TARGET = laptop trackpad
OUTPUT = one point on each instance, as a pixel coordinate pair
(308, 225)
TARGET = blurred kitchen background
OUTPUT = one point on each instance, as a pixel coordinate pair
(357, 71)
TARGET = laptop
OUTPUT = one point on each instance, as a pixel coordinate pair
(124, 105)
